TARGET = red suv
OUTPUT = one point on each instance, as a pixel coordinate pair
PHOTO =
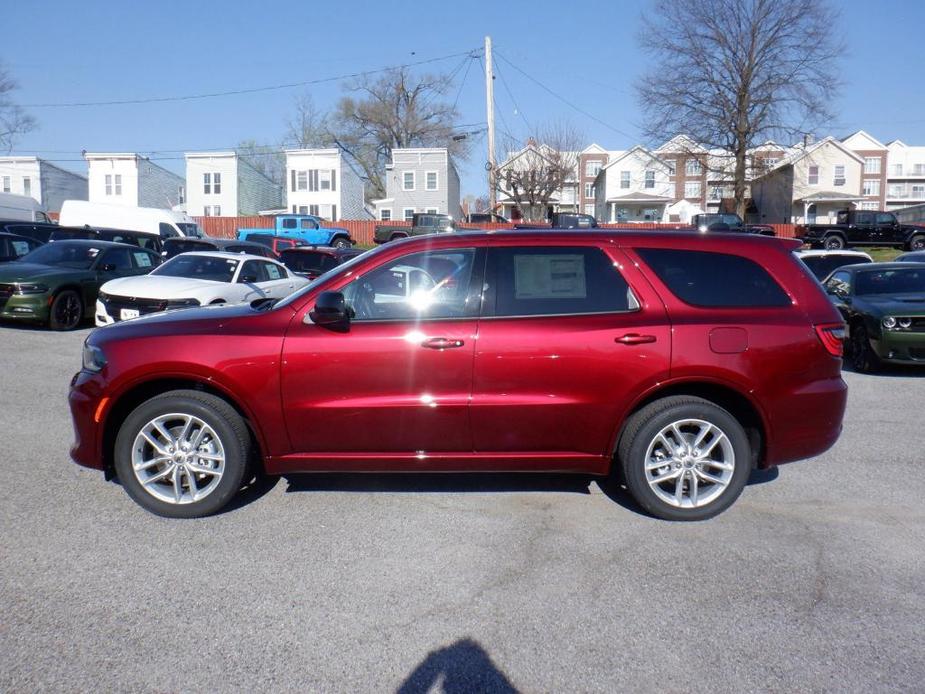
(676, 361)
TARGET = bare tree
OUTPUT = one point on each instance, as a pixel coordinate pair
(397, 109)
(309, 127)
(267, 159)
(14, 121)
(734, 73)
(539, 173)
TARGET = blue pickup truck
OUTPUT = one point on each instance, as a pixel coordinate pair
(305, 227)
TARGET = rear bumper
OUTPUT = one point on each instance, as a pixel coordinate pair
(808, 422)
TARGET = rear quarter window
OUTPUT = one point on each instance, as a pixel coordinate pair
(715, 280)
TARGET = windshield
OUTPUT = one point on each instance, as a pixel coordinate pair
(199, 267)
(892, 281)
(190, 229)
(824, 265)
(176, 246)
(343, 269)
(63, 254)
(308, 262)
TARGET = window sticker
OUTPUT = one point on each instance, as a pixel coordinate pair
(549, 277)
(142, 259)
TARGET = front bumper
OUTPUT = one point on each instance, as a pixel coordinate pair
(898, 347)
(32, 307)
(88, 405)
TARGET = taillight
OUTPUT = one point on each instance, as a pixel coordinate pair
(832, 336)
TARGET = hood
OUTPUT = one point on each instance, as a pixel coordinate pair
(19, 271)
(900, 304)
(156, 286)
(346, 231)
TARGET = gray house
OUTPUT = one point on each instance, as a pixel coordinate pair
(420, 179)
(50, 185)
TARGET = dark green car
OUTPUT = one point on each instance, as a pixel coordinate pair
(57, 284)
(884, 307)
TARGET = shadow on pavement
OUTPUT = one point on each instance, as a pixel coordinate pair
(460, 668)
(440, 482)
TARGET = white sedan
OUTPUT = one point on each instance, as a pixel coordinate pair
(196, 279)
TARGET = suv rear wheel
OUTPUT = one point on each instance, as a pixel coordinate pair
(917, 243)
(182, 454)
(341, 242)
(684, 458)
(834, 242)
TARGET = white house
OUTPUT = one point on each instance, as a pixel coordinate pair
(905, 175)
(50, 185)
(635, 186)
(812, 184)
(322, 182)
(133, 181)
(534, 158)
(419, 179)
(222, 184)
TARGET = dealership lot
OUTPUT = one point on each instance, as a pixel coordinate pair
(811, 581)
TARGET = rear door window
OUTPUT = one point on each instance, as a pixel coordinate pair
(715, 280)
(537, 281)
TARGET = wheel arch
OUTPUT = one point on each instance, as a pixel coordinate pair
(138, 393)
(731, 399)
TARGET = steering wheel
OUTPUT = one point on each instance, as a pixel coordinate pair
(363, 304)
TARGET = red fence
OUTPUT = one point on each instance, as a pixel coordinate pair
(362, 230)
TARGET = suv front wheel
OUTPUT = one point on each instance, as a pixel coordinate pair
(182, 454)
(684, 458)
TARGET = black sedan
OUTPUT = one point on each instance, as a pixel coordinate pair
(312, 261)
(14, 247)
(185, 244)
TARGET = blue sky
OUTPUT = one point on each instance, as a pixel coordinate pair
(103, 51)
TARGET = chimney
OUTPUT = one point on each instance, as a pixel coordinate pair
(808, 139)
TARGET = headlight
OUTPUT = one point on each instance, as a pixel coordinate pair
(905, 323)
(889, 322)
(30, 288)
(182, 303)
(93, 359)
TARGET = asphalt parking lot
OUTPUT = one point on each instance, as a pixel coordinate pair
(813, 581)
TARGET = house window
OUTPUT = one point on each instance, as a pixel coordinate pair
(303, 209)
(839, 179)
(408, 213)
(589, 190)
(650, 179)
(869, 206)
(430, 180)
(216, 211)
(113, 184)
(918, 170)
(6, 184)
(301, 180)
(814, 175)
(181, 195)
(651, 215)
(771, 162)
(385, 214)
(589, 209)
(207, 184)
(407, 182)
(432, 210)
(896, 170)
(313, 210)
(692, 189)
(896, 191)
(692, 167)
(592, 168)
(625, 178)
(216, 184)
(872, 187)
(918, 192)
(26, 185)
(872, 165)
(672, 166)
(325, 180)
(716, 192)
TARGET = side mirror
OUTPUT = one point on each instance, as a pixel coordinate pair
(330, 309)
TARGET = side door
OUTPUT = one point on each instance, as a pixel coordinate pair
(890, 231)
(312, 234)
(279, 282)
(568, 336)
(398, 379)
(864, 229)
(111, 264)
(252, 281)
(143, 261)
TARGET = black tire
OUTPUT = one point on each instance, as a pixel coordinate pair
(916, 243)
(233, 439)
(861, 355)
(341, 242)
(66, 311)
(642, 430)
(834, 242)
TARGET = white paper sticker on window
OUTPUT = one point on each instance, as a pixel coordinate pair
(549, 277)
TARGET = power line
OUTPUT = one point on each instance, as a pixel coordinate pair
(513, 100)
(253, 90)
(567, 102)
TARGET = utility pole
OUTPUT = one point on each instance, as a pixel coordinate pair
(490, 109)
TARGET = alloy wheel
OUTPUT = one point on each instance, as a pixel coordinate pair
(689, 463)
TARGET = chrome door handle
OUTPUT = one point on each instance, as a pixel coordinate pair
(441, 343)
(635, 339)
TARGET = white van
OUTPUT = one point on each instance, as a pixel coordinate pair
(21, 208)
(150, 220)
